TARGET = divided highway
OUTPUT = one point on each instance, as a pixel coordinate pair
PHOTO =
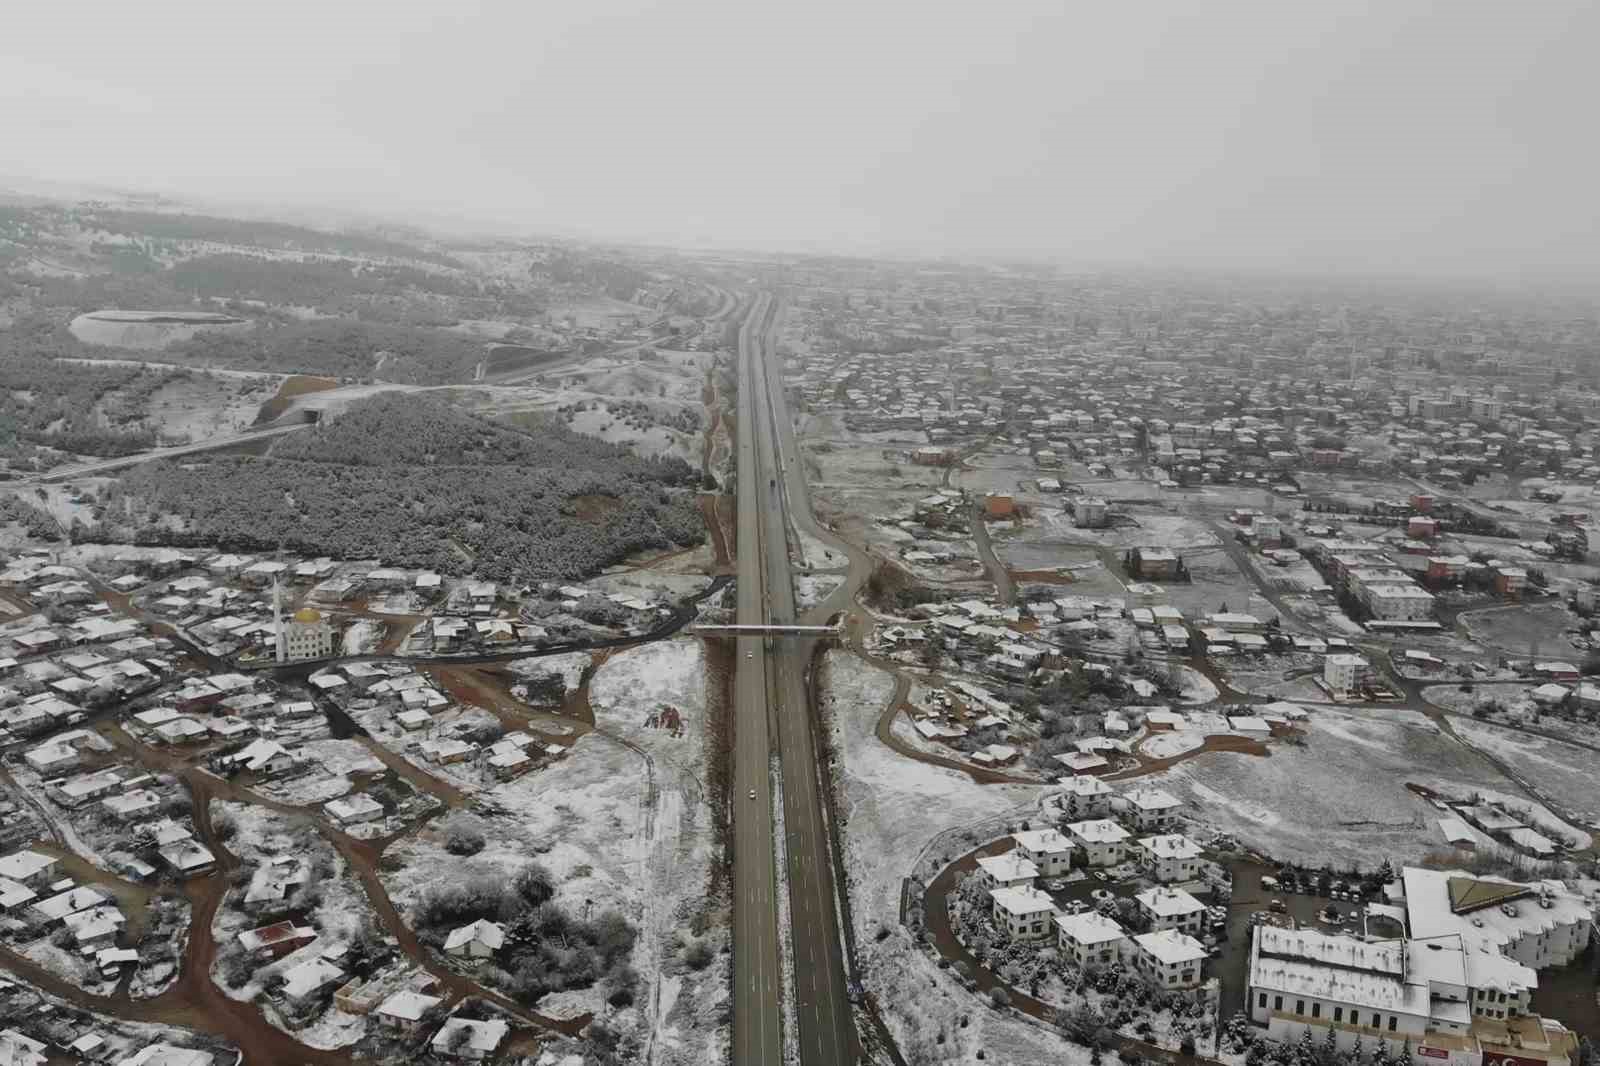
(771, 702)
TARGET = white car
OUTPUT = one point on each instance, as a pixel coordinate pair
(752, 793)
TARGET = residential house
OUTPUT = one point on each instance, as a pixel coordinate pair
(1086, 797)
(1170, 857)
(1022, 913)
(1047, 849)
(1171, 908)
(1152, 810)
(353, 810)
(1102, 840)
(1007, 870)
(1169, 958)
(466, 1038)
(1090, 937)
(480, 940)
(403, 1010)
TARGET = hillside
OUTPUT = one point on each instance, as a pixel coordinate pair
(416, 483)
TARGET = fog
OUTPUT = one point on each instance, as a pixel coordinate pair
(1427, 137)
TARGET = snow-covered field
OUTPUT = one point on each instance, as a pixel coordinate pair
(891, 808)
(1341, 798)
(1564, 773)
(589, 819)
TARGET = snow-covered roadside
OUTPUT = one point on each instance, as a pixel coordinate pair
(891, 808)
(665, 682)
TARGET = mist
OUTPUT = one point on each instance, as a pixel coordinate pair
(1449, 137)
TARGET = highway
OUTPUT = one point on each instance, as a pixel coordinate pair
(757, 963)
(771, 701)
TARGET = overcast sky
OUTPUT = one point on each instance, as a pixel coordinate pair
(1391, 135)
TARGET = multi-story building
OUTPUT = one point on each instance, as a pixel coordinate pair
(1170, 959)
(1090, 937)
(1022, 912)
(1344, 673)
(1153, 810)
(1084, 797)
(1089, 512)
(1171, 908)
(1102, 840)
(1399, 603)
(1047, 849)
(1443, 998)
(1538, 924)
(1169, 857)
(1007, 870)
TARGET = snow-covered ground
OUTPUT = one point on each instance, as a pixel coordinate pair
(362, 637)
(892, 808)
(681, 1010)
(1340, 798)
(1166, 745)
(588, 818)
(1563, 773)
(1197, 687)
(569, 666)
(811, 590)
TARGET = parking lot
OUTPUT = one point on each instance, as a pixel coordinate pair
(1250, 897)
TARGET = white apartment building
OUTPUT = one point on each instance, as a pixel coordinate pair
(1047, 849)
(1538, 924)
(1090, 937)
(1171, 908)
(1089, 512)
(1169, 857)
(1170, 959)
(1399, 603)
(1102, 840)
(1451, 1002)
(1343, 672)
(1022, 912)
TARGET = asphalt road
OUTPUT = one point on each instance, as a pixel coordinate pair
(772, 703)
(104, 466)
(757, 964)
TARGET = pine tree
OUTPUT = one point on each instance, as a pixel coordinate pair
(1305, 1052)
(1330, 1049)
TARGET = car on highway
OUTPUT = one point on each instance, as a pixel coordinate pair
(749, 655)
(752, 793)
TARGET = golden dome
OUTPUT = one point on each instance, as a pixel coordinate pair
(308, 615)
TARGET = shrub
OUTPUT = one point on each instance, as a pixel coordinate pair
(464, 840)
(698, 955)
(999, 997)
